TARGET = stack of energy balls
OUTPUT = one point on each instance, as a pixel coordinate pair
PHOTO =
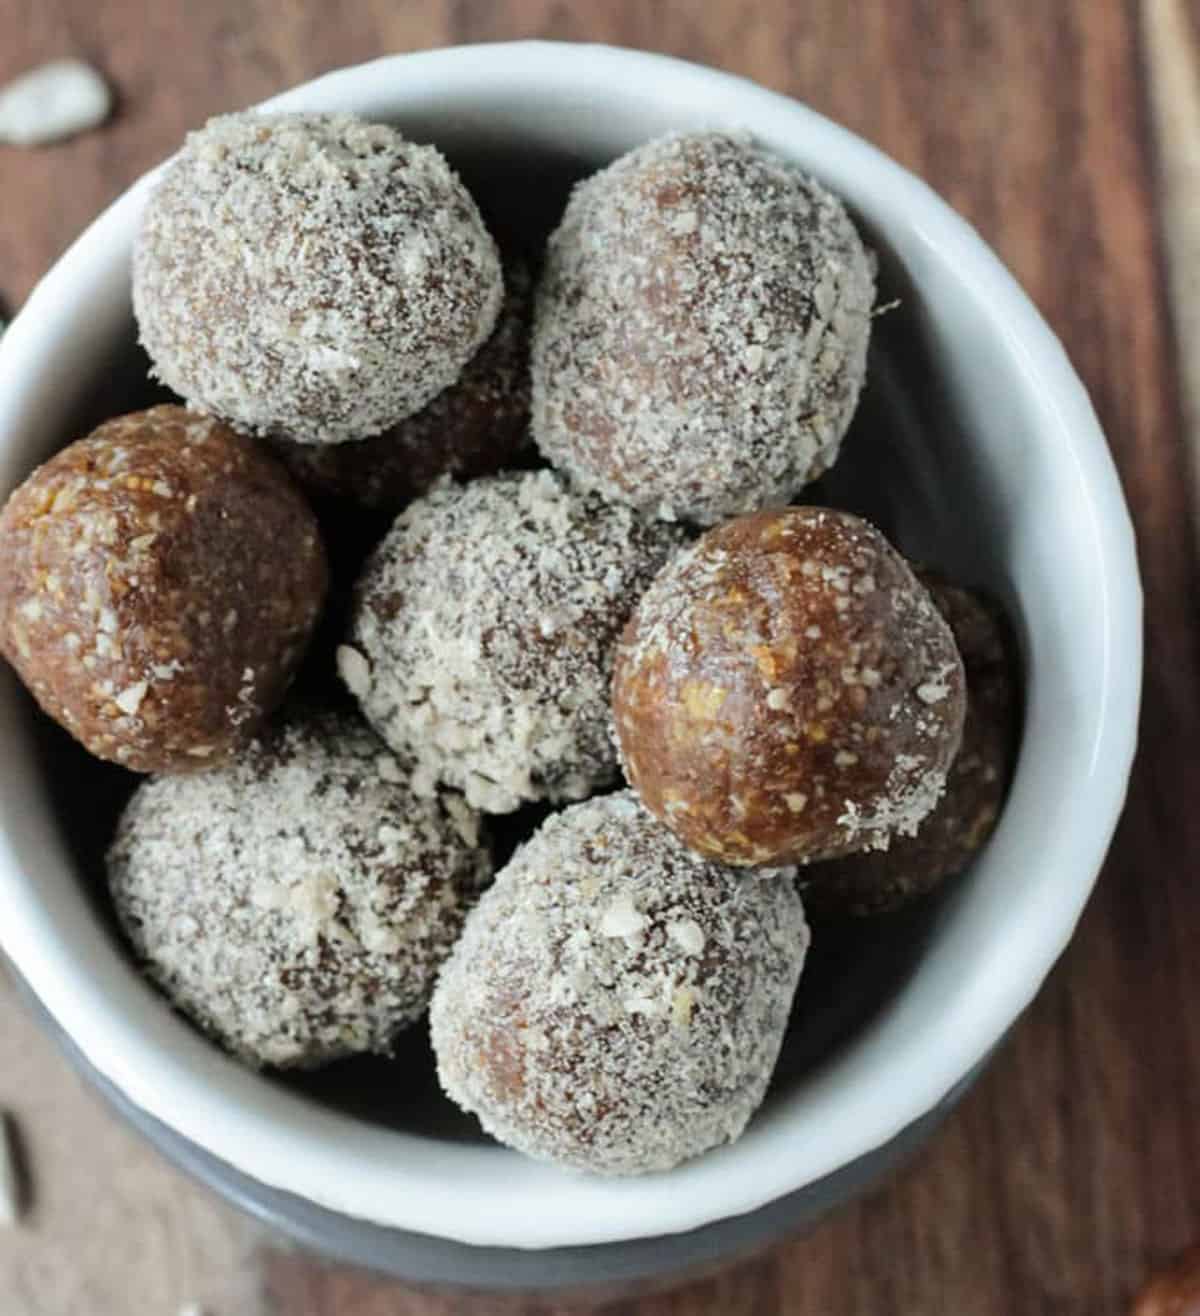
(793, 708)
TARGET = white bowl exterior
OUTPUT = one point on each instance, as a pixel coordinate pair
(1067, 553)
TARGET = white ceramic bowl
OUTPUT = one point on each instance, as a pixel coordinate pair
(978, 450)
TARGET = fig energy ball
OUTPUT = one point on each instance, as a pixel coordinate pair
(159, 581)
(617, 1003)
(483, 632)
(312, 275)
(786, 691)
(297, 903)
(700, 337)
(875, 882)
(475, 427)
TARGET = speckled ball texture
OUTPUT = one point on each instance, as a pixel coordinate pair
(701, 329)
(297, 903)
(312, 275)
(877, 882)
(159, 581)
(477, 426)
(616, 1003)
(786, 690)
(483, 630)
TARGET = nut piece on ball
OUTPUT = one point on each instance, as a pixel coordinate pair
(617, 1003)
(483, 632)
(875, 881)
(786, 691)
(312, 275)
(700, 337)
(297, 903)
(475, 427)
(159, 581)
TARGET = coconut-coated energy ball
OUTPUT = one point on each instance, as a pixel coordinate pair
(159, 581)
(786, 690)
(312, 275)
(701, 328)
(617, 1003)
(297, 903)
(483, 630)
(475, 427)
(876, 882)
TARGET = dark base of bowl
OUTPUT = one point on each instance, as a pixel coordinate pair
(423, 1260)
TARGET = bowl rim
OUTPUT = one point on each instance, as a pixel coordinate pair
(487, 1195)
(597, 1272)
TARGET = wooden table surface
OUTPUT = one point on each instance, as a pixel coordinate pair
(1073, 1168)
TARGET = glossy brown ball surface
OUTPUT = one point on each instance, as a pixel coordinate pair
(159, 581)
(786, 691)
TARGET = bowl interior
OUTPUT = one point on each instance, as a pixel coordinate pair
(854, 967)
(974, 449)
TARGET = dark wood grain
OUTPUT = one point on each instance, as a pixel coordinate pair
(1074, 1166)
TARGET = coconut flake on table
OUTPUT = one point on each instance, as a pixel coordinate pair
(53, 102)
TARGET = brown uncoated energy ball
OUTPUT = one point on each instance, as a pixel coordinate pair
(874, 882)
(159, 581)
(786, 691)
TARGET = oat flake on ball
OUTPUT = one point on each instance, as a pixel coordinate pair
(311, 275)
(297, 903)
(700, 336)
(617, 1003)
(786, 691)
(483, 632)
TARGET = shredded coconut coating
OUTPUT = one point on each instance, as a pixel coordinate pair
(312, 275)
(616, 1003)
(700, 336)
(786, 690)
(159, 582)
(483, 631)
(296, 904)
(475, 427)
